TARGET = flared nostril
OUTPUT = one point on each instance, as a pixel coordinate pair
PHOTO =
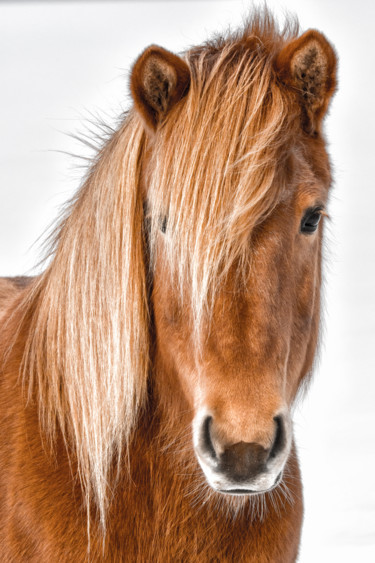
(205, 442)
(280, 438)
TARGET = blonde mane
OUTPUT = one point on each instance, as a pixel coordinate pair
(216, 170)
(87, 352)
(212, 175)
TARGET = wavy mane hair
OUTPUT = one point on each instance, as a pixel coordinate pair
(210, 179)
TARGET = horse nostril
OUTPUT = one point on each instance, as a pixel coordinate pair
(206, 444)
(280, 437)
(240, 461)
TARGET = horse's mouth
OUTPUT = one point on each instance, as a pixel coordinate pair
(249, 492)
(237, 492)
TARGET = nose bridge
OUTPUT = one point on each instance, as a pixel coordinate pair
(244, 373)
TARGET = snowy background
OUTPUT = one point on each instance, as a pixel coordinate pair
(61, 62)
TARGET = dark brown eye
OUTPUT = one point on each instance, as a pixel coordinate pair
(310, 220)
(163, 223)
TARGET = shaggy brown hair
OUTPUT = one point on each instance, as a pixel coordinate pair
(211, 176)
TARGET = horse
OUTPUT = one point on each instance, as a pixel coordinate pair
(149, 373)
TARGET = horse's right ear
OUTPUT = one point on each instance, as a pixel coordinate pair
(159, 80)
(307, 65)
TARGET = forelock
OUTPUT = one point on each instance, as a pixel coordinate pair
(217, 166)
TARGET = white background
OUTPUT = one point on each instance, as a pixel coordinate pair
(62, 60)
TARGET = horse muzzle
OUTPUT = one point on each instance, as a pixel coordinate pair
(242, 468)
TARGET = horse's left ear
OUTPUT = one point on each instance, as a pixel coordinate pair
(158, 81)
(308, 66)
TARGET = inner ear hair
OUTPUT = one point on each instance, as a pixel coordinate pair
(159, 80)
(308, 65)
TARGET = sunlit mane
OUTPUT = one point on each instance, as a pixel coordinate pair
(214, 166)
(210, 179)
(91, 311)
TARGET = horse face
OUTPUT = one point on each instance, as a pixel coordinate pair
(255, 351)
(258, 341)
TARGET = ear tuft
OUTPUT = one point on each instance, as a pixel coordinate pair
(308, 65)
(159, 80)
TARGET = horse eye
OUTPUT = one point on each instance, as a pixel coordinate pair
(163, 224)
(310, 220)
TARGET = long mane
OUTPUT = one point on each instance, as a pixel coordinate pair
(212, 174)
(87, 353)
